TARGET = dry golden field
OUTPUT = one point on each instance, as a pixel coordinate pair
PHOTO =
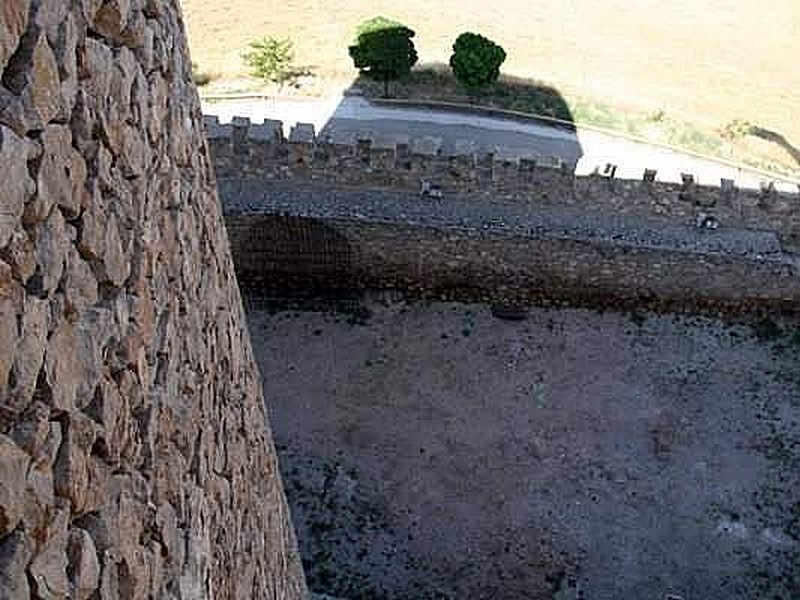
(706, 61)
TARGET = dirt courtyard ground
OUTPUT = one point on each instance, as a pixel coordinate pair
(435, 451)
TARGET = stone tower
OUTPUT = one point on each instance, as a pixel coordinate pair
(135, 459)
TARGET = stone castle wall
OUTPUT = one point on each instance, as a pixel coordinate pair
(135, 460)
(241, 149)
(605, 241)
(436, 260)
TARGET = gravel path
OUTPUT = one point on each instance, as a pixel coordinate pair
(479, 214)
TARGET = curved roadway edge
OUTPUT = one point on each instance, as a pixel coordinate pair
(513, 115)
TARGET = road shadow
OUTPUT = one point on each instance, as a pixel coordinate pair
(435, 81)
(512, 118)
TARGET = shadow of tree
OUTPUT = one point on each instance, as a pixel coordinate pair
(776, 138)
(297, 73)
(435, 81)
(430, 87)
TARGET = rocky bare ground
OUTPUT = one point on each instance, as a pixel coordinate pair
(435, 451)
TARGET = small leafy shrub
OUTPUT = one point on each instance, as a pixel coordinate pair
(738, 128)
(376, 24)
(271, 59)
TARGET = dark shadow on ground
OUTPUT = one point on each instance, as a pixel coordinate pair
(435, 82)
(289, 255)
(776, 138)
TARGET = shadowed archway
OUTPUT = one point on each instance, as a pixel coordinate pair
(276, 253)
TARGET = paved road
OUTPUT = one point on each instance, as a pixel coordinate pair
(514, 143)
(345, 117)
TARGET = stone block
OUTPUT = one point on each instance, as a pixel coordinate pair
(549, 162)
(210, 121)
(28, 355)
(62, 175)
(727, 186)
(84, 566)
(48, 570)
(37, 83)
(111, 19)
(17, 185)
(16, 551)
(240, 133)
(13, 21)
(302, 133)
(428, 145)
(269, 131)
(13, 470)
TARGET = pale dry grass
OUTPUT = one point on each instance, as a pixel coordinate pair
(708, 61)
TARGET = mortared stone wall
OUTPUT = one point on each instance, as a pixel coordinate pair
(135, 458)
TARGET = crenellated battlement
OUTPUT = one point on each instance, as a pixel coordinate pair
(244, 148)
(261, 150)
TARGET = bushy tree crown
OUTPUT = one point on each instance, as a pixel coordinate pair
(476, 60)
(383, 49)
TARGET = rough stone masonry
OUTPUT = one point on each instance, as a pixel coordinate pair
(135, 459)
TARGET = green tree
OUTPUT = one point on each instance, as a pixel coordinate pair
(383, 50)
(476, 61)
(375, 24)
(271, 59)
